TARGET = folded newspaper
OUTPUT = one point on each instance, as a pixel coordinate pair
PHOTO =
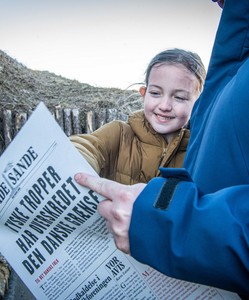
(52, 235)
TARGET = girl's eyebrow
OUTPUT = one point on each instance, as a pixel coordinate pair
(154, 85)
(181, 90)
(159, 87)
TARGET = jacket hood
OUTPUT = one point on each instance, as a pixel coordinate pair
(143, 130)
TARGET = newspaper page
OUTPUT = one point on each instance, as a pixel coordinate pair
(52, 235)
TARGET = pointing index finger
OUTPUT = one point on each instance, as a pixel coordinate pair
(102, 186)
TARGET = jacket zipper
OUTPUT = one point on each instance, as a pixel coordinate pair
(162, 157)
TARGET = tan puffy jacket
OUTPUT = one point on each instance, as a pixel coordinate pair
(131, 152)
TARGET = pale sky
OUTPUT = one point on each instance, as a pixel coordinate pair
(105, 43)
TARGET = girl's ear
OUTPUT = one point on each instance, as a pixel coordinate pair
(142, 91)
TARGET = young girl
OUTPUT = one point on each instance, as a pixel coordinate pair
(156, 137)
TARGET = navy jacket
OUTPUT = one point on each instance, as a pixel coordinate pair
(196, 228)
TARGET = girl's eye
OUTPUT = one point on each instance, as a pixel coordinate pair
(155, 93)
(179, 98)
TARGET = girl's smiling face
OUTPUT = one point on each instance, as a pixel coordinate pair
(169, 98)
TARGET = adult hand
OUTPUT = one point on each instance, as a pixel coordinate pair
(117, 208)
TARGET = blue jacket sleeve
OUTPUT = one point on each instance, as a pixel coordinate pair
(199, 230)
(199, 238)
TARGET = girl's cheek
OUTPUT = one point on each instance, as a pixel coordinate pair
(184, 111)
(149, 104)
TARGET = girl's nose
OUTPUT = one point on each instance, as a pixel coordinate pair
(165, 104)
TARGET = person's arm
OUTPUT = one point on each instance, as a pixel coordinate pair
(99, 148)
(199, 238)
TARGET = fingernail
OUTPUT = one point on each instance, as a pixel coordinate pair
(77, 176)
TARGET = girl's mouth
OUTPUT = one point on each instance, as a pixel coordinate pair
(164, 118)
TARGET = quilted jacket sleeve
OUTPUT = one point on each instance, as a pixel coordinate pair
(100, 147)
